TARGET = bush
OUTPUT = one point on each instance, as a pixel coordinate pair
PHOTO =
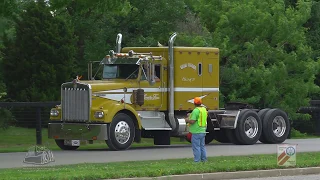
(297, 134)
(6, 118)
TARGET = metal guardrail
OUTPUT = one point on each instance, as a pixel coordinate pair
(38, 106)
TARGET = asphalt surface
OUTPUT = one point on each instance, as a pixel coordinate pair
(11, 160)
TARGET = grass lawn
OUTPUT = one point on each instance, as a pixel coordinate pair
(156, 168)
(16, 139)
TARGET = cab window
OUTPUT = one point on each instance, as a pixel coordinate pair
(144, 72)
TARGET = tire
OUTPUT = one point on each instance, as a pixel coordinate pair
(248, 122)
(60, 143)
(276, 126)
(121, 122)
(221, 136)
(111, 146)
(230, 133)
(261, 114)
(209, 137)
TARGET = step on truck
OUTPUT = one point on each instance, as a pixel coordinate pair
(147, 92)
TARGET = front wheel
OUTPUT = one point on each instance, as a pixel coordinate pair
(121, 132)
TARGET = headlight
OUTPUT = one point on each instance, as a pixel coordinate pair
(99, 114)
(54, 112)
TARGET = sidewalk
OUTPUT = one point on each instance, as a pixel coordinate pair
(235, 175)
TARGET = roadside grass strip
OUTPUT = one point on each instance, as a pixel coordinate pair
(156, 168)
(17, 139)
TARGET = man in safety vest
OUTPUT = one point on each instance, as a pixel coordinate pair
(198, 125)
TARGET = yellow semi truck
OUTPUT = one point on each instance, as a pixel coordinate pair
(146, 92)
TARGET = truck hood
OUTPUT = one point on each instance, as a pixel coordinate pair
(101, 86)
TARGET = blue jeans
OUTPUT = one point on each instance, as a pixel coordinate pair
(198, 143)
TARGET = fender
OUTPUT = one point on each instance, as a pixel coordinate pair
(114, 108)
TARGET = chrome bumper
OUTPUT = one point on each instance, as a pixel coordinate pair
(78, 131)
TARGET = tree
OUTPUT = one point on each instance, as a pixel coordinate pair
(41, 56)
(313, 37)
(92, 21)
(8, 11)
(265, 57)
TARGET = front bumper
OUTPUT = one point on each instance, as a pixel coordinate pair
(78, 131)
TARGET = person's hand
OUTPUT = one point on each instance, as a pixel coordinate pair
(188, 114)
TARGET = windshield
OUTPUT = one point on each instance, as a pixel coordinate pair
(120, 71)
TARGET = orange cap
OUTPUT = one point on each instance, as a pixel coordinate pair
(197, 100)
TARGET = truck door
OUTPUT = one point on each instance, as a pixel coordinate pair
(153, 99)
(209, 70)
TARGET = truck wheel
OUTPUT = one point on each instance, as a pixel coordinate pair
(209, 137)
(60, 143)
(121, 132)
(221, 136)
(276, 126)
(230, 133)
(110, 145)
(261, 114)
(249, 127)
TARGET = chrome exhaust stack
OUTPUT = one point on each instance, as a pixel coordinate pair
(118, 43)
(171, 81)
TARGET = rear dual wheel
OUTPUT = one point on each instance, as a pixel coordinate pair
(276, 126)
(269, 126)
(248, 130)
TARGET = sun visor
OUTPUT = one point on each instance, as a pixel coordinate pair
(122, 60)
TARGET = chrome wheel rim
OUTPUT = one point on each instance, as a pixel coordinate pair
(251, 127)
(122, 132)
(279, 126)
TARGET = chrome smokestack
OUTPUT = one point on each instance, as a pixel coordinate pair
(118, 43)
(171, 80)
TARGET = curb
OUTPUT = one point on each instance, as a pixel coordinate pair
(235, 175)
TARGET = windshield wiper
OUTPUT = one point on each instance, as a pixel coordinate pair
(131, 74)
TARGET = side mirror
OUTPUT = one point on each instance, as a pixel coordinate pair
(151, 73)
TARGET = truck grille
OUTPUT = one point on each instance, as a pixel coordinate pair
(75, 102)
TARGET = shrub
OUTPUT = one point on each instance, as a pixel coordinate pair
(297, 134)
(6, 118)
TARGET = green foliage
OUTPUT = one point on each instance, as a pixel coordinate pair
(269, 49)
(94, 27)
(6, 118)
(41, 56)
(297, 134)
(156, 168)
(265, 58)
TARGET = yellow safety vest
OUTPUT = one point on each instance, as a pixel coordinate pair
(202, 120)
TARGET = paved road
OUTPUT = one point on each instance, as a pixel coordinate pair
(303, 177)
(9, 160)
